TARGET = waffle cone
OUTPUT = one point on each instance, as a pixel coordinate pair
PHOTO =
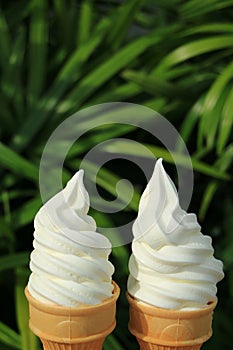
(65, 328)
(163, 329)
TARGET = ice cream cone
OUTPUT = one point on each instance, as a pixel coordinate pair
(66, 328)
(163, 329)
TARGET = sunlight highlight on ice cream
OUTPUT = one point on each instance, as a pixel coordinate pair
(69, 263)
(172, 265)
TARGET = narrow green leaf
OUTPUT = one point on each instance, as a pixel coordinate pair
(11, 80)
(125, 147)
(6, 206)
(196, 8)
(6, 234)
(201, 153)
(190, 121)
(84, 21)
(103, 133)
(217, 117)
(18, 56)
(26, 213)
(29, 340)
(144, 19)
(38, 38)
(193, 49)
(157, 104)
(119, 93)
(217, 27)
(12, 261)
(9, 337)
(72, 69)
(211, 114)
(17, 164)
(71, 21)
(112, 343)
(7, 119)
(16, 194)
(17, 13)
(61, 9)
(69, 73)
(154, 85)
(123, 19)
(176, 72)
(207, 198)
(226, 123)
(5, 42)
(95, 79)
(223, 163)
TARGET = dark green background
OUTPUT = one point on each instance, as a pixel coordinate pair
(57, 57)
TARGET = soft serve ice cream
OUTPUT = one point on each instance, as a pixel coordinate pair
(69, 263)
(172, 265)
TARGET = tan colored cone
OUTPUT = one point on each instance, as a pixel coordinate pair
(161, 329)
(64, 328)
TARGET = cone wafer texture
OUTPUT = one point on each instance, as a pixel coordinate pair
(148, 346)
(65, 328)
(163, 329)
(95, 345)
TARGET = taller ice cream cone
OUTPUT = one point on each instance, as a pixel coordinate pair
(66, 328)
(163, 329)
(173, 272)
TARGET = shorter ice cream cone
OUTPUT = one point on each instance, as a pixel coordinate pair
(163, 329)
(66, 328)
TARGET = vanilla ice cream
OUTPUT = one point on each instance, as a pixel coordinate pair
(172, 265)
(69, 263)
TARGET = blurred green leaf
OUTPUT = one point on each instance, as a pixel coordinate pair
(210, 120)
(196, 8)
(112, 343)
(158, 104)
(13, 260)
(84, 21)
(17, 164)
(9, 337)
(95, 79)
(226, 123)
(154, 85)
(122, 21)
(68, 74)
(7, 119)
(6, 206)
(102, 134)
(119, 93)
(125, 147)
(38, 41)
(16, 73)
(217, 27)
(29, 340)
(223, 163)
(60, 10)
(7, 234)
(25, 213)
(5, 42)
(191, 120)
(193, 49)
(11, 79)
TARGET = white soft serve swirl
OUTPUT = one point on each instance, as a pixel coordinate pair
(69, 263)
(172, 265)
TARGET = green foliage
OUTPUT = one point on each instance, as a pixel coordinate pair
(58, 57)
